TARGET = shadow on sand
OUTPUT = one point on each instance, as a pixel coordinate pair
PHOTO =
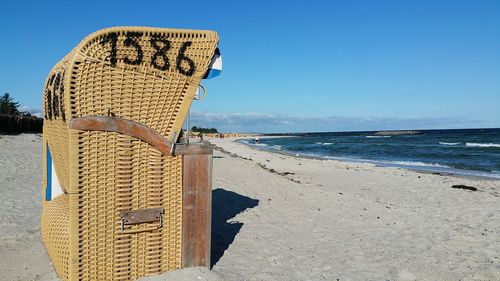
(226, 205)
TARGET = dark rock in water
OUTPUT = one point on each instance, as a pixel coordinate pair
(398, 133)
(461, 186)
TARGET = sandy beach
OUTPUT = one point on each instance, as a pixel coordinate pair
(279, 217)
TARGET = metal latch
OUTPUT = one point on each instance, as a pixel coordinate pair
(141, 216)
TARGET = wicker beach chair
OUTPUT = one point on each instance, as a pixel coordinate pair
(123, 201)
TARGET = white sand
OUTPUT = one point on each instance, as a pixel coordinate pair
(22, 255)
(352, 221)
(327, 221)
(186, 274)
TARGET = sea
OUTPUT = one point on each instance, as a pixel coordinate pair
(467, 152)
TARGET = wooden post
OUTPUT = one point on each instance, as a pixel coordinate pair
(197, 205)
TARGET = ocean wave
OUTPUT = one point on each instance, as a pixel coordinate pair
(278, 147)
(415, 164)
(449, 143)
(389, 162)
(377, 137)
(251, 143)
(325, 143)
(474, 144)
(424, 166)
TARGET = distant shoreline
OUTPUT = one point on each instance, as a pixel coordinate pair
(368, 132)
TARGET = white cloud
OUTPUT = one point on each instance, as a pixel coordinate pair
(34, 111)
(276, 123)
(262, 122)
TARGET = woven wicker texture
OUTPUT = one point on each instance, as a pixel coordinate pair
(55, 129)
(148, 75)
(120, 173)
(55, 233)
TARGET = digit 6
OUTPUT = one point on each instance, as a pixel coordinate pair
(182, 57)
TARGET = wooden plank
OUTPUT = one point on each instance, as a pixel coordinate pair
(201, 148)
(197, 210)
(123, 126)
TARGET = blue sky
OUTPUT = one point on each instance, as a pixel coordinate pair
(293, 66)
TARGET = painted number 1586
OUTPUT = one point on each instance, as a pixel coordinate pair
(159, 59)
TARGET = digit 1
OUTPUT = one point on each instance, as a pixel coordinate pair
(61, 97)
(48, 93)
(111, 38)
(55, 97)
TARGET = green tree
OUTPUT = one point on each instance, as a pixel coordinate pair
(204, 130)
(8, 106)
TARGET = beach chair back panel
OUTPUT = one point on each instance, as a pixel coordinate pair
(146, 75)
(121, 173)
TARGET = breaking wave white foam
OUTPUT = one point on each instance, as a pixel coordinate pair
(377, 137)
(325, 143)
(414, 164)
(449, 143)
(473, 144)
(388, 162)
